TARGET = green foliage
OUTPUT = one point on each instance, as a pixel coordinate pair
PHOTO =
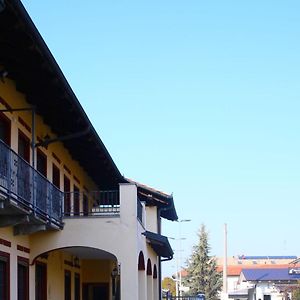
(296, 294)
(169, 284)
(202, 275)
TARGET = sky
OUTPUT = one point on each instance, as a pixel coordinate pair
(195, 98)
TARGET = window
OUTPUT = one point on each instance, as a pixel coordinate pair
(23, 171)
(23, 279)
(67, 285)
(67, 198)
(4, 276)
(41, 162)
(85, 205)
(23, 146)
(4, 129)
(76, 198)
(56, 176)
(40, 281)
(77, 287)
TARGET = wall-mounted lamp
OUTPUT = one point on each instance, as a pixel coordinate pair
(3, 73)
(2, 5)
(76, 262)
(114, 274)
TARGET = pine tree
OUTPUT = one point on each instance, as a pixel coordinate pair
(202, 275)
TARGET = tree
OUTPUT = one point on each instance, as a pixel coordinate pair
(202, 275)
(296, 293)
(169, 284)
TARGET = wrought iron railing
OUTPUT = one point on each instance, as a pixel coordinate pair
(28, 188)
(93, 203)
(170, 297)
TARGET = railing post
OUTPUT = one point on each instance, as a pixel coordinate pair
(34, 191)
(9, 168)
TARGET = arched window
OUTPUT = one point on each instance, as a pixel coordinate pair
(149, 267)
(141, 263)
(154, 272)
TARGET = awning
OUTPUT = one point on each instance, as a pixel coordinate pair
(159, 244)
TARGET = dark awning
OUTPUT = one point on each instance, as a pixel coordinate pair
(159, 244)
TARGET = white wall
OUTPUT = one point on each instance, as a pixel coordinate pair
(120, 236)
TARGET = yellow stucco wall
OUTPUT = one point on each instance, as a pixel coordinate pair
(16, 99)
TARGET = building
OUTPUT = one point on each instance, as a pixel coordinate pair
(240, 262)
(266, 284)
(240, 286)
(71, 226)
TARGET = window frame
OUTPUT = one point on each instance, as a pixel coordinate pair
(44, 286)
(6, 120)
(55, 175)
(4, 256)
(25, 263)
(68, 289)
(44, 156)
(26, 139)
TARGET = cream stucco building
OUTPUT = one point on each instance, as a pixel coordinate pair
(71, 227)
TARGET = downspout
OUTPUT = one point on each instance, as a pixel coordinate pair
(159, 258)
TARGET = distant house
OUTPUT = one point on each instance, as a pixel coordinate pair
(265, 284)
(237, 264)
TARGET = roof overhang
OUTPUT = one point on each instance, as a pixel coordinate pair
(153, 197)
(159, 244)
(30, 64)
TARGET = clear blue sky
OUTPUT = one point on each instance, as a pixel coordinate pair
(196, 98)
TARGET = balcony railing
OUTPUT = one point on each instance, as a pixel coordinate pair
(93, 203)
(28, 189)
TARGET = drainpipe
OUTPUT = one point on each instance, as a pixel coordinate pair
(159, 259)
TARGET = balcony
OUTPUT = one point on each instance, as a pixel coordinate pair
(28, 201)
(93, 204)
(97, 204)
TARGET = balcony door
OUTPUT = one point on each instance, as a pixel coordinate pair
(5, 163)
(76, 200)
(67, 198)
(22, 169)
(56, 176)
(24, 146)
(5, 129)
(41, 162)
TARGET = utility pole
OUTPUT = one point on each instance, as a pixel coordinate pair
(225, 291)
(180, 256)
